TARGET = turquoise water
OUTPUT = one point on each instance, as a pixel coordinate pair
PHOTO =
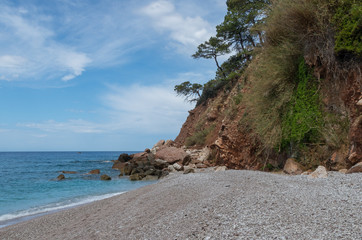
(27, 185)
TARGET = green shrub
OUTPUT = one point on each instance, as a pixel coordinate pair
(199, 137)
(303, 120)
(348, 21)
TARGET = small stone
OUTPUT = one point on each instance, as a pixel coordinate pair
(307, 172)
(359, 103)
(177, 166)
(201, 165)
(320, 172)
(220, 169)
(292, 167)
(95, 171)
(106, 177)
(190, 170)
(147, 150)
(60, 177)
(356, 168)
(343, 170)
(171, 168)
(135, 177)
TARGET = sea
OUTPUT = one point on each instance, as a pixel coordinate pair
(28, 186)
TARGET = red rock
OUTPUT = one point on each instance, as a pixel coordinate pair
(95, 171)
(106, 177)
(356, 168)
(119, 165)
(172, 155)
(292, 167)
(69, 172)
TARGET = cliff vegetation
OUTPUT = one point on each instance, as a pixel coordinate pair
(291, 88)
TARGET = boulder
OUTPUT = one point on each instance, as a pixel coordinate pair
(356, 168)
(292, 167)
(95, 171)
(160, 164)
(69, 172)
(147, 150)
(124, 157)
(150, 178)
(320, 172)
(172, 155)
(169, 143)
(159, 144)
(170, 168)
(60, 177)
(177, 166)
(118, 165)
(106, 177)
(135, 177)
(190, 170)
(220, 169)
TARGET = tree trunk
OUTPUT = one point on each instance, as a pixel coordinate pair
(218, 66)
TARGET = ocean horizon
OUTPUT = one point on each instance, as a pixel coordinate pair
(28, 185)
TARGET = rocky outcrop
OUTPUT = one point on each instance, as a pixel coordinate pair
(172, 155)
(356, 168)
(292, 167)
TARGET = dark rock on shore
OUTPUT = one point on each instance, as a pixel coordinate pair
(106, 177)
(124, 157)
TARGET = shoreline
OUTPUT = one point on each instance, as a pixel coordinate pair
(51, 210)
(234, 204)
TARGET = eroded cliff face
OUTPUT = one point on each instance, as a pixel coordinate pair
(222, 124)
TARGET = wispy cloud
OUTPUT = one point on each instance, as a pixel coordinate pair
(136, 108)
(186, 31)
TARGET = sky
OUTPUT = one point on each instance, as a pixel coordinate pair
(98, 75)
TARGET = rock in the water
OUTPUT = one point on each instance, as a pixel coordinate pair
(189, 170)
(69, 172)
(356, 168)
(320, 172)
(124, 157)
(106, 177)
(95, 171)
(172, 155)
(292, 167)
(118, 165)
(220, 169)
(60, 177)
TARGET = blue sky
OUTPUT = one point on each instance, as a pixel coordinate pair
(99, 75)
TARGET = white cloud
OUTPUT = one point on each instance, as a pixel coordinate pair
(8, 61)
(75, 126)
(136, 108)
(186, 31)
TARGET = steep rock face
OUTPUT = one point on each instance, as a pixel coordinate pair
(235, 145)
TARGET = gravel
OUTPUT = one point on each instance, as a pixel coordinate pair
(214, 205)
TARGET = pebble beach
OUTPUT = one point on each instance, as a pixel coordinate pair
(232, 204)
